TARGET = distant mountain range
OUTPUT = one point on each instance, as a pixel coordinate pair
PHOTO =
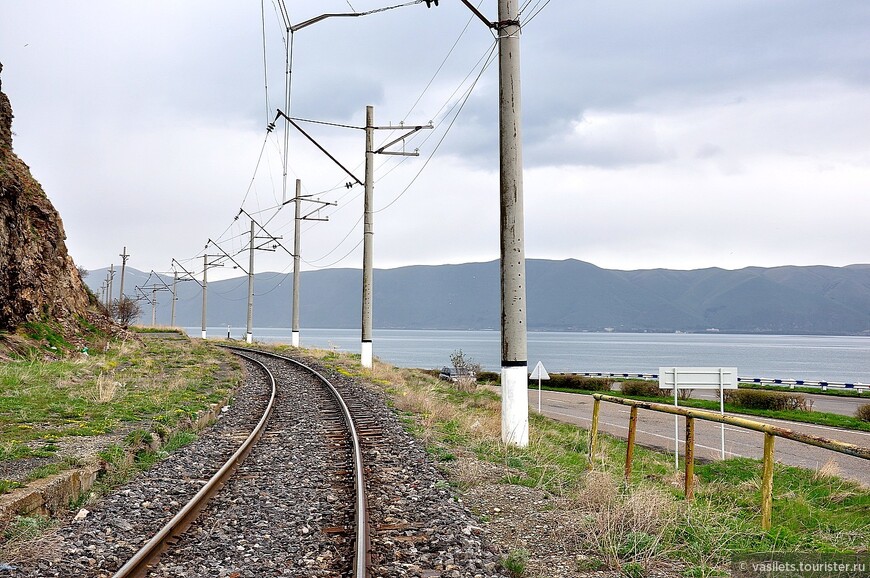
(565, 295)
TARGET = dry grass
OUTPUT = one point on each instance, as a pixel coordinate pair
(624, 526)
(106, 389)
(831, 469)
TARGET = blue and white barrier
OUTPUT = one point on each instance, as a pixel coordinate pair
(824, 385)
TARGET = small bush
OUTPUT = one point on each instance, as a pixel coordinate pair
(515, 562)
(767, 400)
(580, 382)
(643, 388)
(863, 412)
(488, 377)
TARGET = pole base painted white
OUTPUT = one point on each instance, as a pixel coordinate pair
(249, 338)
(203, 334)
(294, 339)
(515, 405)
(366, 354)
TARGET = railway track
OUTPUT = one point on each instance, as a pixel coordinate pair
(311, 400)
(294, 506)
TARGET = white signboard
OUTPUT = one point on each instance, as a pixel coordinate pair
(677, 378)
(698, 377)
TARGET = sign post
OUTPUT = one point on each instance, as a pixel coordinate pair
(677, 378)
(539, 373)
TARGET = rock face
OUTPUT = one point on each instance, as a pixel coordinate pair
(38, 278)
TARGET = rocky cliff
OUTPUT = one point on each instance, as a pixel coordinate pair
(38, 279)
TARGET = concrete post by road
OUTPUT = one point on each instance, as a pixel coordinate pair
(514, 365)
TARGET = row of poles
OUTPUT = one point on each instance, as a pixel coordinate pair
(514, 364)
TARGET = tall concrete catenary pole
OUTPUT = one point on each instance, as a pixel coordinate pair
(249, 335)
(514, 365)
(204, 291)
(368, 234)
(297, 242)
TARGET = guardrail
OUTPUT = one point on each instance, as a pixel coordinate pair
(824, 385)
(770, 432)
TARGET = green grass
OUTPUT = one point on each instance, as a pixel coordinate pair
(153, 385)
(153, 381)
(515, 562)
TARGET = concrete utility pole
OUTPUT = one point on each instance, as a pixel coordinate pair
(204, 292)
(368, 221)
(297, 242)
(368, 230)
(205, 266)
(514, 358)
(249, 335)
(368, 238)
(124, 256)
(153, 306)
(174, 298)
(191, 277)
(514, 365)
(111, 281)
(296, 254)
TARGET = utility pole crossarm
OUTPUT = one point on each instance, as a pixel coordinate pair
(307, 198)
(317, 19)
(383, 151)
(479, 14)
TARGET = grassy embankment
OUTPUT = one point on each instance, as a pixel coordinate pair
(139, 388)
(641, 525)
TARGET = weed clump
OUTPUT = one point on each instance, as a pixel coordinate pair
(863, 412)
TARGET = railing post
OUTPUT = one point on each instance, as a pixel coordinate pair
(690, 458)
(767, 481)
(629, 451)
(593, 432)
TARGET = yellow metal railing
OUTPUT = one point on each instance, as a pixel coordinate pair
(770, 432)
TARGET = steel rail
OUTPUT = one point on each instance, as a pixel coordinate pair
(362, 546)
(148, 555)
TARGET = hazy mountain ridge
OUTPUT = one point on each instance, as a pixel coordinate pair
(565, 295)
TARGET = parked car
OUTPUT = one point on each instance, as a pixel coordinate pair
(454, 374)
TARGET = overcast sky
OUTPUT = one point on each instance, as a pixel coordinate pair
(674, 134)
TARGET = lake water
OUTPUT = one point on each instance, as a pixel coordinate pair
(808, 357)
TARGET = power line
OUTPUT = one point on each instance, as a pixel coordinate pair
(444, 136)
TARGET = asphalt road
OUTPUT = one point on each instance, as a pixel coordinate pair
(656, 430)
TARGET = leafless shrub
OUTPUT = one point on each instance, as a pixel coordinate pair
(623, 526)
(125, 310)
